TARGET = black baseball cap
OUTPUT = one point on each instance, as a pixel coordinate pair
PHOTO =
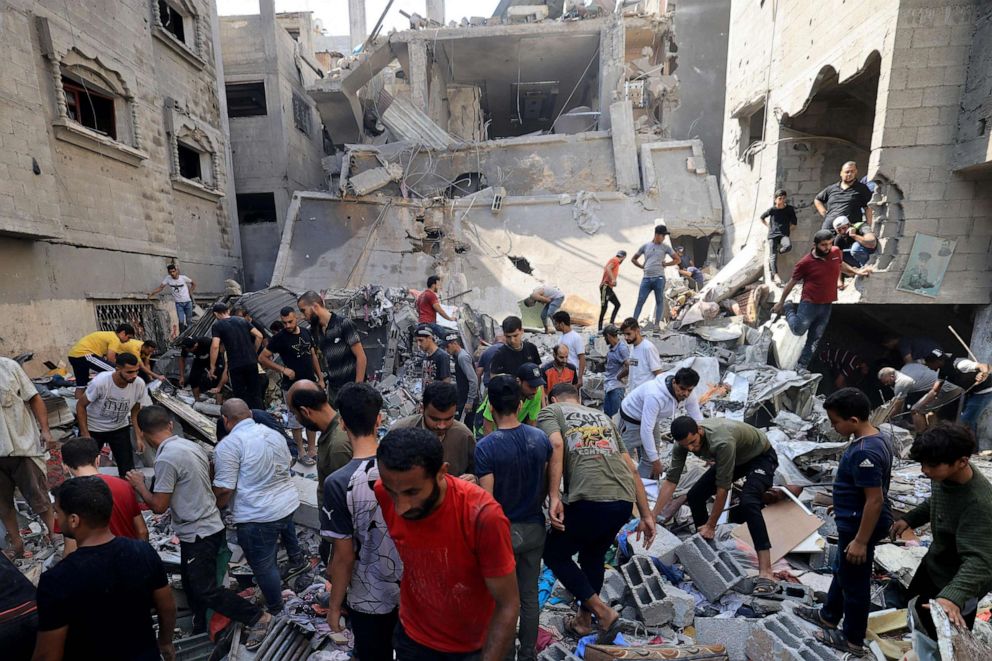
(451, 336)
(530, 374)
(424, 330)
(938, 354)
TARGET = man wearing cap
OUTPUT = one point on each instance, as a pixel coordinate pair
(848, 198)
(466, 379)
(819, 272)
(437, 363)
(606, 285)
(532, 389)
(653, 254)
(857, 241)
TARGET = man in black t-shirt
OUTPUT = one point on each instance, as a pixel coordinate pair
(18, 613)
(241, 343)
(339, 343)
(299, 362)
(783, 218)
(515, 350)
(437, 362)
(199, 349)
(97, 602)
(848, 197)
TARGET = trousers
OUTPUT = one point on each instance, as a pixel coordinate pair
(655, 284)
(528, 546)
(244, 383)
(119, 441)
(809, 318)
(607, 296)
(850, 590)
(260, 542)
(199, 560)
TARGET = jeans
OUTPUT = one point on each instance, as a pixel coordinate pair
(528, 545)
(630, 432)
(973, 409)
(199, 561)
(590, 529)
(119, 441)
(857, 255)
(850, 590)
(607, 296)
(185, 313)
(611, 403)
(550, 309)
(407, 649)
(374, 634)
(260, 542)
(809, 318)
(759, 473)
(245, 384)
(654, 284)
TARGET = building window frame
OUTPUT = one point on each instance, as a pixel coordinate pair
(247, 84)
(191, 47)
(187, 135)
(302, 117)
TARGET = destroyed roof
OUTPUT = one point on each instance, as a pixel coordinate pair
(263, 306)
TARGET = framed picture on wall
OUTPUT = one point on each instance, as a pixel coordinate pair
(928, 261)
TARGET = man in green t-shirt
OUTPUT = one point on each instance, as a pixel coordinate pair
(736, 450)
(600, 485)
(532, 389)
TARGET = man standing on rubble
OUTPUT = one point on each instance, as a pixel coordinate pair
(365, 565)
(466, 379)
(252, 474)
(512, 464)
(448, 533)
(551, 297)
(819, 272)
(428, 304)
(848, 197)
(735, 450)
(23, 443)
(532, 386)
(339, 342)
(606, 286)
(616, 361)
(299, 361)
(576, 347)
(440, 404)
(108, 410)
(956, 572)
(97, 352)
(654, 253)
(783, 219)
(646, 405)
(182, 288)
(182, 487)
(515, 351)
(241, 345)
(437, 363)
(199, 372)
(600, 486)
(643, 363)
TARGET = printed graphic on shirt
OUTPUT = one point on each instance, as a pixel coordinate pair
(588, 433)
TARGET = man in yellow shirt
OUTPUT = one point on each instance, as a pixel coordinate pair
(143, 350)
(97, 352)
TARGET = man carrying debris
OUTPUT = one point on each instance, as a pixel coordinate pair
(108, 410)
(241, 345)
(515, 350)
(252, 475)
(466, 379)
(512, 464)
(552, 297)
(97, 352)
(920, 387)
(654, 254)
(339, 342)
(108, 582)
(448, 533)
(365, 568)
(911, 349)
(428, 304)
(23, 443)
(559, 369)
(646, 405)
(606, 286)
(576, 346)
(532, 386)
(299, 361)
(783, 219)
(182, 288)
(735, 450)
(848, 197)
(957, 570)
(436, 362)
(600, 485)
(819, 272)
(861, 511)
(644, 363)
(616, 361)
(182, 487)
(199, 378)
(440, 403)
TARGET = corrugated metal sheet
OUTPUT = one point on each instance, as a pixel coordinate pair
(410, 123)
(262, 305)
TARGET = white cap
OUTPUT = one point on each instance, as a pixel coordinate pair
(841, 221)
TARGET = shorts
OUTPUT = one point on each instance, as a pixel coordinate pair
(23, 473)
(291, 421)
(83, 365)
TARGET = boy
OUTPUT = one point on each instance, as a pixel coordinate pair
(862, 513)
(957, 570)
(783, 217)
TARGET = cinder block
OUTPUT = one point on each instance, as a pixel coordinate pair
(683, 606)
(713, 572)
(614, 587)
(663, 547)
(731, 632)
(647, 587)
(785, 638)
(557, 652)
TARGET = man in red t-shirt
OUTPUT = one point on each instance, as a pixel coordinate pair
(80, 457)
(428, 304)
(819, 272)
(459, 592)
(606, 285)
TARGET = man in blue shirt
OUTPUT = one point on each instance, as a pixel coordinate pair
(616, 358)
(863, 518)
(512, 464)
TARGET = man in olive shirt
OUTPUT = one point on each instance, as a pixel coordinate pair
(440, 406)
(736, 450)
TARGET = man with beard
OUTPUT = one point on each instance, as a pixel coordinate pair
(448, 533)
(108, 409)
(559, 369)
(848, 197)
(440, 406)
(339, 343)
(819, 272)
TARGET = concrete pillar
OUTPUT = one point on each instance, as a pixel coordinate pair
(981, 346)
(356, 22)
(419, 73)
(611, 67)
(624, 147)
(435, 11)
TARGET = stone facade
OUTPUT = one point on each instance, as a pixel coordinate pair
(89, 215)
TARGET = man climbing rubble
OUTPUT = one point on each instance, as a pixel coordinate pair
(734, 450)
(440, 403)
(198, 377)
(819, 272)
(644, 407)
(783, 219)
(607, 285)
(182, 289)
(654, 253)
(339, 343)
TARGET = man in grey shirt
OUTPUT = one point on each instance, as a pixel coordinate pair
(653, 255)
(466, 379)
(182, 485)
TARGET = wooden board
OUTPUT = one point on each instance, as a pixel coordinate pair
(789, 524)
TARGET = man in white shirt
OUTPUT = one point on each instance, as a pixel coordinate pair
(252, 475)
(980, 396)
(643, 408)
(920, 387)
(552, 297)
(182, 288)
(644, 362)
(108, 410)
(576, 347)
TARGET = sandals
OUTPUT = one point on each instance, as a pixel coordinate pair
(763, 587)
(256, 634)
(607, 637)
(838, 641)
(812, 615)
(572, 630)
